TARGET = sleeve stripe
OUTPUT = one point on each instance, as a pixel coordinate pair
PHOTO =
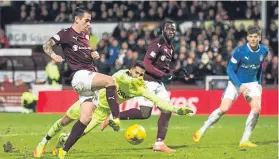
(233, 60)
(57, 37)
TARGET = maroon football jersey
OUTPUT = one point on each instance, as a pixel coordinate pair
(157, 59)
(76, 49)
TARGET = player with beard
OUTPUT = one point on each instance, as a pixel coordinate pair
(157, 61)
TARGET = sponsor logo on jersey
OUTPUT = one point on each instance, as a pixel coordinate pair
(163, 58)
(122, 94)
(76, 48)
(153, 54)
(75, 37)
(252, 66)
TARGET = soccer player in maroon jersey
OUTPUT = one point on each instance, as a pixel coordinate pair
(85, 80)
(157, 62)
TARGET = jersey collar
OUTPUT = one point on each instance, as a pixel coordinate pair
(251, 48)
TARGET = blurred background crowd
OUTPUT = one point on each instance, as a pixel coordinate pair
(61, 11)
(203, 48)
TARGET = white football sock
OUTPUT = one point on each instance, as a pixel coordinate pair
(251, 123)
(159, 142)
(44, 140)
(213, 118)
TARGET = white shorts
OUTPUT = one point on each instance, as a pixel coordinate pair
(232, 92)
(158, 88)
(81, 83)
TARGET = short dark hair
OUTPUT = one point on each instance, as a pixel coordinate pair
(253, 30)
(139, 64)
(167, 21)
(79, 11)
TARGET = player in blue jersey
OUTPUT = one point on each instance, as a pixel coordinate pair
(245, 73)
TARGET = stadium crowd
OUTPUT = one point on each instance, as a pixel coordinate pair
(60, 11)
(204, 50)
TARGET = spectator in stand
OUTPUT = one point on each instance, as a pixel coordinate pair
(102, 64)
(23, 14)
(4, 42)
(204, 68)
(2, 89)
(135, 58)
(117, 67)
(101, 47)
(61, 17)
(6, 82)
(113, 52)
(219, 66)
(128, 59)
(28, 101)
(241, 32)
(53, 74)
(122, 52)
(267, 44)
(32, 16)
(273, 36)
(181, 62)
(227, 51)
(192, 70)
(140, 49)
(271, 71)
(45, 17)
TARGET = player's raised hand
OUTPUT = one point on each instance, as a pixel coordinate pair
(95, 55)
(56, 58)
(184, 111)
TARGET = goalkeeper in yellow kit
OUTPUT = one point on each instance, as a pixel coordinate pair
(129, 84)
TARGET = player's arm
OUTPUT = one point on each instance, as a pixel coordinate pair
(260, 70)
(165, 105)
(57, 39)
(161, 103)
(233, 66)
(151, 54)
(137, 87)
(48, 47)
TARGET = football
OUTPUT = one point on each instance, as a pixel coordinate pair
(135, 134)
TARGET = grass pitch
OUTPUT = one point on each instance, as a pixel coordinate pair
(24, 131)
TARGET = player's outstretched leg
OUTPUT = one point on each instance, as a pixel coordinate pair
(60, 143)
(86, 110)
(163, 124)
(251, 122)
(99, 115)
(213, 118)
(55, 129)
(132, 114)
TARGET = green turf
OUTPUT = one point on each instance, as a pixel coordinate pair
(24, 131)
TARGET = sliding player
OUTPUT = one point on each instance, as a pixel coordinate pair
(130, 84)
